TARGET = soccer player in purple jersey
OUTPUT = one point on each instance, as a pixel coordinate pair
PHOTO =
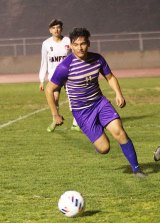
(91, 109)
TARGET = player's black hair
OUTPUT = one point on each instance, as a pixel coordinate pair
(55, 22)
(79, 32)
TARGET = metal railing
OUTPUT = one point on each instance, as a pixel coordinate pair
(118, 42)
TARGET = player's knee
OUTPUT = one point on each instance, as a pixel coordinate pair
(102, 145)
(104, 150)
(120, 135)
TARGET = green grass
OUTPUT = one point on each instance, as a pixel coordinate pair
(36, 167)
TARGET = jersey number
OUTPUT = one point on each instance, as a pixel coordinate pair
(88, 80)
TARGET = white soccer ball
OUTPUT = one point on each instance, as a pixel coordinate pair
(71, 203)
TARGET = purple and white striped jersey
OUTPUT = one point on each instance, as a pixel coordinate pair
(81, 79)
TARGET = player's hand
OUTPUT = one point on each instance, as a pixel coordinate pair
(41, 87)
(58, 119)
(120, 101)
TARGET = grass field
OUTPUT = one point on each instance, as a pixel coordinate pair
(36, 167)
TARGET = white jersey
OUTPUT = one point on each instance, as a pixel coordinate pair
(52, 54)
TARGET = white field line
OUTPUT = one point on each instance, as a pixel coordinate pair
(26, 116)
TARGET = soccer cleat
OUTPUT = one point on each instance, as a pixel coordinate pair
(157, 154)
(140, 174)
(51, 127)
(75, 128)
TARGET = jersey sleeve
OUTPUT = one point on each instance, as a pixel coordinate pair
(60, 75)
(44, 64)
(104, 69)
(68, 42)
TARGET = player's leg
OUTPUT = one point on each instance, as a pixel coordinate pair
(52, 126)
(75, 126)
(102, 144)
(116, 129)
(157, 154)
(110, 119)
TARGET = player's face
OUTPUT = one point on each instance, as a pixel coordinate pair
(56, 30)
(80, 47)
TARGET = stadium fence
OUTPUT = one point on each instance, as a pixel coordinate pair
(118, 42)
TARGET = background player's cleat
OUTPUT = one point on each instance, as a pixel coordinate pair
(157, 154)
(75, 128)
(139, 174)
(51, 127)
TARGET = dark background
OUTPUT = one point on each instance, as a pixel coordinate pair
(30, 18)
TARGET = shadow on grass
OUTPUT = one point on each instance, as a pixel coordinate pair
(89, 213)
(149, 168)
(133, 118)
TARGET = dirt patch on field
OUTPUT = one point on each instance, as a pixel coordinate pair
(24, 78)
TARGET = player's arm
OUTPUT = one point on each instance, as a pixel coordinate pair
(43, 67)
(112, 81)
(114, 84)
(50, 87)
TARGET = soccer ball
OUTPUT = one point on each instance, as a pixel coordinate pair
(71, 203)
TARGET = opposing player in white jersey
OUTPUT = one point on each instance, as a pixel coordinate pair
(54, 50)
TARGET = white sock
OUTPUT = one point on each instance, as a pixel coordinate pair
(74, 122)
